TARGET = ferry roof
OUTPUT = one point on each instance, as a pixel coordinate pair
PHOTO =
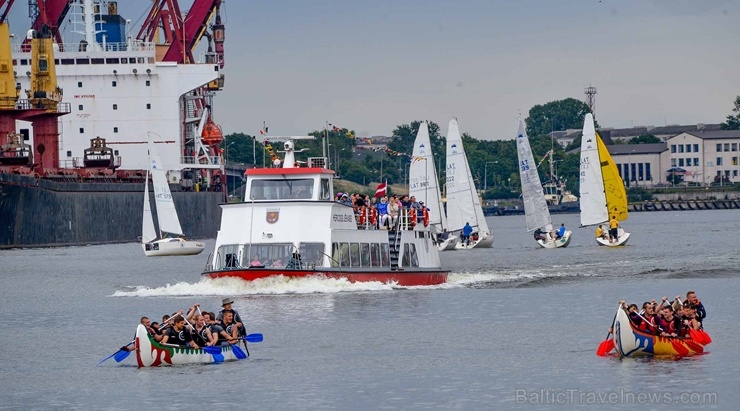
(284, 171)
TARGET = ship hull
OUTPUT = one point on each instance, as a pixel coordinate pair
(44, 213)
(406, 278)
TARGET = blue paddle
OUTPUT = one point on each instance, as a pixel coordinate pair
(215, 352)
(238, 352)
(119, 355)
(253, 338)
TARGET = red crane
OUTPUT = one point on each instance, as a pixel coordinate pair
(183, 35)
(50, 13)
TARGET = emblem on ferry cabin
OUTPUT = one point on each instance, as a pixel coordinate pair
(272, 215)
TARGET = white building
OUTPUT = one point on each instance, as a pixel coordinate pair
(707, 156)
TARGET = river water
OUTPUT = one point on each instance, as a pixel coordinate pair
(515, 327)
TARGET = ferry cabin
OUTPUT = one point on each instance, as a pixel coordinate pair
(293, 209)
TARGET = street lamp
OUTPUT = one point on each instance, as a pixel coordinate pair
(485, 174)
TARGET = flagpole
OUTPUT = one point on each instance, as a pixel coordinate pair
(324, 145)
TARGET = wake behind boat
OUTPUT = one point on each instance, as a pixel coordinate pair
(537, 215)
(289, 226)
(603, 197)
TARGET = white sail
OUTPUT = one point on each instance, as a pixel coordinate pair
(536, 213)
(148, 232)
(423, 181)
(463, 205)
(593, 199)
(166, 212)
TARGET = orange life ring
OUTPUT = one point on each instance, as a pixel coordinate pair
(373, 215)
(412, 217)
(363, 215)
(425, 217)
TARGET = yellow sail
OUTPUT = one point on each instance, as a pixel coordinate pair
(616, 196)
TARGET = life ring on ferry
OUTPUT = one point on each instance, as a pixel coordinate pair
(412, 217)
(363, 215)
(373, 215)
(425, 217)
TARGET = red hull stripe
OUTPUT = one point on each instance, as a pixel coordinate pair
(402, 277)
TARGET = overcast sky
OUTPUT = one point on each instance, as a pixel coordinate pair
(372, 65)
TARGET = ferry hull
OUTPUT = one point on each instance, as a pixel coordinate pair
(405, 278)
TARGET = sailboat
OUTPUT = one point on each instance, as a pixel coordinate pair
(603, 197)
(424, 185)
(536, 213)
(170, 240)
(463, 204)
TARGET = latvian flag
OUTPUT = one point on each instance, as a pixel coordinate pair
(381, 190)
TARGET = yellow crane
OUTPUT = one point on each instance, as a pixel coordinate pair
(44, 92)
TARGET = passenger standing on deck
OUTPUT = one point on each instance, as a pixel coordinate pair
(393, 210)
(613, 229)
(383, 212)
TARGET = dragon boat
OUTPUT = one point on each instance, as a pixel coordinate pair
(629, 341)
(150, 353)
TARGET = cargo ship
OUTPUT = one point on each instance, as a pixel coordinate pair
(75, 111)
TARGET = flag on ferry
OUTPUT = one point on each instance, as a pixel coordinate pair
(381, 190)
(264, 130)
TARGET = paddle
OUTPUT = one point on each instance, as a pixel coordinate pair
(238, 352)
(253, 338)
(119, 355)
(699, 336)
(607, 345)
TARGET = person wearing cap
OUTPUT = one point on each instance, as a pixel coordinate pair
(226, 306)
(345, 200)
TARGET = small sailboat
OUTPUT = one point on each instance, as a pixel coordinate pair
(603, 198)
(170, 240)
(463, 204)
(424, 185)
(536, 213)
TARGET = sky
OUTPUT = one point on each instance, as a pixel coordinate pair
(370, 66)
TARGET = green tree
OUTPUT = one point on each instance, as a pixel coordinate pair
(556, 115)
(733, 120)
(242, 148)
(646, 138)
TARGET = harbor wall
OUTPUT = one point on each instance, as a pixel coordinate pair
(40, 212)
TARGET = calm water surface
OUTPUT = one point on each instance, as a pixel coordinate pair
(515, 327)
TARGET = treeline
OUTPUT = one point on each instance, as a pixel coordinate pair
(493, 164)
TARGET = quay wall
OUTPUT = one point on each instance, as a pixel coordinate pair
(40, 213)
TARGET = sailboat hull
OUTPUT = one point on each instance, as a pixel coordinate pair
(172, 246)
(448, 244)
(558, 243)
(481, 242)
(622, 238)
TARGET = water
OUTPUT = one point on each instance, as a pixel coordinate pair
(514, 327)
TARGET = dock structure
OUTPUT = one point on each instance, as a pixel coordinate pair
(685, 205)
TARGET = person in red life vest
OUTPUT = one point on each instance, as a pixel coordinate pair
(669, 323)
(651, 325)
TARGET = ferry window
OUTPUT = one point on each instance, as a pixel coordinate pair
(274, 255)
(69, 154)
(148, 106)
(335, 254)
(365, 254)
(312, 253)
(79, 84)
(113, 83)
(112, 60)
(405, 257)
(115, 107)
(68, 61)
(82, 130)
(375, 255)
(79, 107)
(227, 257)
(124, 60)
(325, 189)
(115, 129)
(141, 60)
(83, 61)
(413, 256)
(148, 83)
(354, 254)
(97, 61)
(281, 189)
(385, 255)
